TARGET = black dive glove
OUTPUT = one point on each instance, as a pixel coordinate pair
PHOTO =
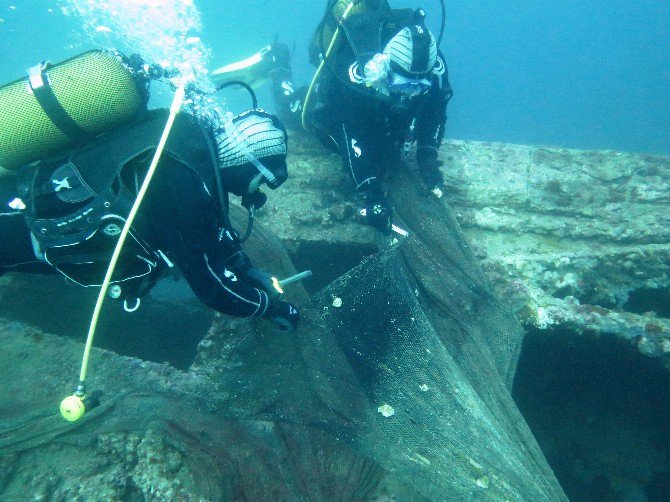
(283, 314)
(429, 167)
(262, 280)
(255, 277)
(378, 210)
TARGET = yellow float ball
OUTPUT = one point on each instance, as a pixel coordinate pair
(72, 408)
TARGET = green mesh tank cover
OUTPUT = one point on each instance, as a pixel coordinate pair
(95, 89)
(397, 383)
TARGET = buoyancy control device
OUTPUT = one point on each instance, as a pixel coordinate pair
(335, 12)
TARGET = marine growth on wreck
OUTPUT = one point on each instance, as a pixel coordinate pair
(512, 343)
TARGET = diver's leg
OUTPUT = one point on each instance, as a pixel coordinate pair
(359, 150)
(288, 101)
(361, 153)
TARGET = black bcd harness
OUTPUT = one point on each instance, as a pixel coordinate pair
(77, 204)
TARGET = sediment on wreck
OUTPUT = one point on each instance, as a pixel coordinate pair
(573, 239)
(396, 384)
(420, 410)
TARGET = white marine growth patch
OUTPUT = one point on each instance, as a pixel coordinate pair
(386, 410)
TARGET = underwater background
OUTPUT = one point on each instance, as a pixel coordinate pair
(587, 75)
(582, 75)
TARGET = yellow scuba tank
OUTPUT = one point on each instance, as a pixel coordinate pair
(60, 105)
(326, 30)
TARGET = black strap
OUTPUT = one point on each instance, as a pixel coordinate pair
(224, 199)
(41, 87)
(421, 49)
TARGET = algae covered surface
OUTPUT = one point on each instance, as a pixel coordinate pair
(398, 383)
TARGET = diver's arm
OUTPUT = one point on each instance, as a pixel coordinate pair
(288, 100)
(218, 287)
(354, 122)
(430, 124)
(210, 260)
(361, 143)
(432, 115)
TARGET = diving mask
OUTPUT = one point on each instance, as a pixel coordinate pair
(380, 76)
(399, 84)
(272, 177)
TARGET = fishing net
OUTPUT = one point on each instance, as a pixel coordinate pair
(396, 385)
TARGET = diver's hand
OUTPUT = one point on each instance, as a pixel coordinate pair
(283, 314)
(379, 217)
(432, 178)
(262, 280)
(430, 174)
(429, 170)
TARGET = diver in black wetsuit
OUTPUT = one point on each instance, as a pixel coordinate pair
(383, 88)
(68, 216)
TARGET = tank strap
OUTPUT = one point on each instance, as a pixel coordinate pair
(44, 94)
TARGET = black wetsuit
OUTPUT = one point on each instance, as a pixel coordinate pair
(179, 222)
(368, 130)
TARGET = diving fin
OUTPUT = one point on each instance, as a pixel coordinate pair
(253, 70)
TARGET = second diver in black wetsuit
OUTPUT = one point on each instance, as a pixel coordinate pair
(383, 88)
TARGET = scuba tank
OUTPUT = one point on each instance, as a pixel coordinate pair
(59, 106)
(327, 40)
(334, 14)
